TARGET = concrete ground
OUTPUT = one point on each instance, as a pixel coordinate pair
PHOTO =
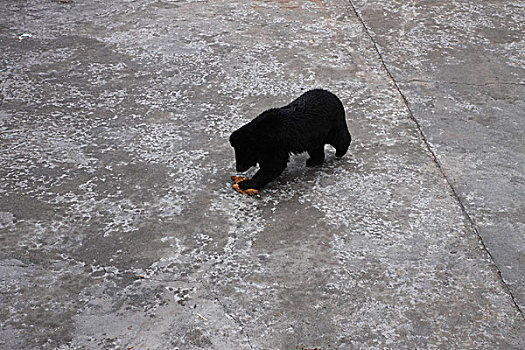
(119, 227)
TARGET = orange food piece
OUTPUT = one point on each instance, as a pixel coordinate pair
(238, 179)
(247, 192)
(251, 191)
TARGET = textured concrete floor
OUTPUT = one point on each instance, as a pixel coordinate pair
(461, 67)
(119, 227)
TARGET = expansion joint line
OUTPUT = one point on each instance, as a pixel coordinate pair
(434, 156)
(236, 320)
(461, 83)
(228, 313)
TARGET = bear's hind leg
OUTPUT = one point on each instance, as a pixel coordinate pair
(340, 140)
(316, 157)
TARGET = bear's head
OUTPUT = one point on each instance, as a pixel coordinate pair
(245, 146)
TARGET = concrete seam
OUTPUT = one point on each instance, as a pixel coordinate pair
(434, 156)
(236, 320)
(228, 313)
(459, 83)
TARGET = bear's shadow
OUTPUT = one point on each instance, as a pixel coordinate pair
(298, 174)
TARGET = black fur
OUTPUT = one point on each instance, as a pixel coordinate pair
(314, 119)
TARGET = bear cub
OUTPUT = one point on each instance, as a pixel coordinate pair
(314, 119)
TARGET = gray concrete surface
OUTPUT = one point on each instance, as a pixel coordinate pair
(119, 227)
(461, 67)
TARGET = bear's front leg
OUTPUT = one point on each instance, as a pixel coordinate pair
(316, 157)
(269, 170)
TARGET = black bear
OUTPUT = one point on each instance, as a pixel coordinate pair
(314, 119)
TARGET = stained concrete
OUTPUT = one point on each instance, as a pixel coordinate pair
(119, 226)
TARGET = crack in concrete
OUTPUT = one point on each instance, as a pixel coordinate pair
(459, 82)
(227, 311)
(433, 154)
(236, 320)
